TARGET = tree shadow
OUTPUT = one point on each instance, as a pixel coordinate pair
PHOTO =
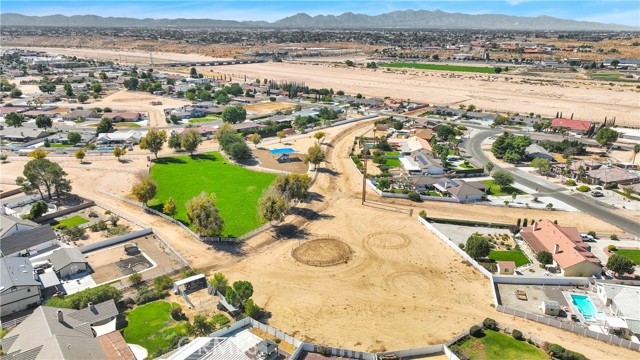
(168, 160)
(314, 196)
(204, 157)
(249, 162)
(232, 248)
(125, 161)
(310, 214)
(289, 231)
(331, 172)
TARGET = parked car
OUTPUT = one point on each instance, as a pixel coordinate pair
(587, 238)
(597, 194)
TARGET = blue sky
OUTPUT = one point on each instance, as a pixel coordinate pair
(625, 12)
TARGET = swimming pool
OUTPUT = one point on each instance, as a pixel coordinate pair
(585, 306)
(282, 151)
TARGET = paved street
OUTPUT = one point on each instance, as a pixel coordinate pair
(578, 201)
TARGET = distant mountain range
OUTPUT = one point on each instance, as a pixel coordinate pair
(405, 19)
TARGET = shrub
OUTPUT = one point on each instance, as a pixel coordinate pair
(324, 351)
(136, 279)
(146, 295)
(414, 196)
(176, 312)
(73, 233)
(556, 350)
(611, 186)
(98, 226)
(423, 214)
(517, 334)
(162, 282)
(186, 272)
(128, 302)
(614, 237)
(93, 214)
(219, 320)
(592, 233)
(583, 188)
(476, 331)
(570, 182)
(461, 246)
(490, 324)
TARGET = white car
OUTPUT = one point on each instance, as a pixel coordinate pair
(587, 238)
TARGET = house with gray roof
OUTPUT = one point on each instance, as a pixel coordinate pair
(58, 333)
(461, 190)
(10, 225)
(536, 151)
(28, 242)
(19, 290)
(67, 262)
(22, 134)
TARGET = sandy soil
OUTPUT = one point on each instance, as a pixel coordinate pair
(268, 107)
(295, 164)
(508, 93)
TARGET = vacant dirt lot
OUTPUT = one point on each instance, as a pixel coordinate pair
(268, 107)
(506, 93)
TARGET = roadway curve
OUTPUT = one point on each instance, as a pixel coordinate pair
(587, 205)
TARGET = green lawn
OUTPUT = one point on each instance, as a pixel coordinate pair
(499, 346)
(434, 193)
(237, 189)
(517, 256)
(203, 119)
(478, 69)
(60, 145)
(634, 255)
(393, 162)
(497, 191)
(392, 153)
(151, 326)
(72, 221)
(466, 166)
(126, 125)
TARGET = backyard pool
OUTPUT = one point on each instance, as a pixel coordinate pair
(585, 306)
(282, 151)
(105, 148)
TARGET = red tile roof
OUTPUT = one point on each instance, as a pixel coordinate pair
(545, 235)
(578, 125)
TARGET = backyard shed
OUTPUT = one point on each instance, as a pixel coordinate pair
(192, 283)
(550, 307)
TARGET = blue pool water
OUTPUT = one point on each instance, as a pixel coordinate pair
(105, 148)
(282, 151)
(585, 306)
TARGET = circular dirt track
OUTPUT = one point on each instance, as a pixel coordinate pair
(322, 252)
(388, 240)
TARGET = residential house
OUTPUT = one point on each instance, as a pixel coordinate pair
(423, 183)
(26, 240)
(447, 111)
(536, 151)
(121, 116)
(213, 348)
(58, 333)
(22, 134)
(571, 256)
(610, 174)
(623, 302)
(19, 289)
(80, 114)
(580, 127)
(247, 126)
(119, 137)
(67, 262)
(424, 134)
(204, 131)
(413, 144)
(485, 117)
(461, 190)
(10, 225)
(421, 162)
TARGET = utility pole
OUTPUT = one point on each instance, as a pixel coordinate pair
(364, 179)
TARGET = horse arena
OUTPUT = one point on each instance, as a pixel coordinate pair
(325, 251)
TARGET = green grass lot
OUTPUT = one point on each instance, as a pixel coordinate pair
(237, 189)
(434, 193)
(393, 162)
(55, 146)
(497, 191)
(517, 256)
(71, 222)
(126, 125)
(460, 68)
(151, 326)
(634, 255)
(464, 166)
(203, 119)
(611, 77)
(497, 346)
(392, 153)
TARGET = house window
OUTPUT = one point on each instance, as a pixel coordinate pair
(28, 290)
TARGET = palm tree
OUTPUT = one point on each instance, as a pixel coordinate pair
(636, 150)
